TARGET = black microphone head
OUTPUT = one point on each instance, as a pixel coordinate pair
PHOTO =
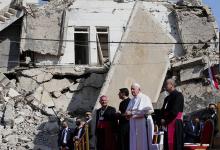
(51, 106)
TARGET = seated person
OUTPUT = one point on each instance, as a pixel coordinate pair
(211, 113)
(192, 131)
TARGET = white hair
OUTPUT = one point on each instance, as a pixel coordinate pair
(172, 81)
(136, 85)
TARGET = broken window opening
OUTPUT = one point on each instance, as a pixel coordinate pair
(27, 59)
(103, 40)
(81, 38)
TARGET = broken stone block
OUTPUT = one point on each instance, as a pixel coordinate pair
(32, 72)
(56, 94)
(56, 85)
(9, 114)
(62, 103)
(75, 87)
(195, 72)
(27, 84)
(188, 63)
(43, 77)
(43, 96)
(12, 93)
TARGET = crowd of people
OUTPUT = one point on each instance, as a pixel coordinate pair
(132, 127)
(68, 136)
(193, 125)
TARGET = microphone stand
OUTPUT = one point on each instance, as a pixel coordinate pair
(58, 119)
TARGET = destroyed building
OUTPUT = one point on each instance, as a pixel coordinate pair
(67, 53)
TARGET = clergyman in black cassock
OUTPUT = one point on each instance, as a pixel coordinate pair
(172, 111)
(123, 128)
(106, 125)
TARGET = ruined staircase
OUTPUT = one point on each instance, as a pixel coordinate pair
(9, 16)
(5, 82)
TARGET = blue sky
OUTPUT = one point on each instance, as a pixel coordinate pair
(215, 5)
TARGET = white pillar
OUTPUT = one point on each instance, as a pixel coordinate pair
(93, 47)
(69, 51)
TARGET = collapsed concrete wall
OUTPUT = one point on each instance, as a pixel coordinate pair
(43, 33)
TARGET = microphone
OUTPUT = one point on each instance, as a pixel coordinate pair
(51, 107)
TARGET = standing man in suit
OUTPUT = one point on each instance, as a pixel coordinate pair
(65, 139)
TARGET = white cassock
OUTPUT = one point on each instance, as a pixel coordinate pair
(140, 105)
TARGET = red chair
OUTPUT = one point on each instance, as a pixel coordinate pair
(206, 138)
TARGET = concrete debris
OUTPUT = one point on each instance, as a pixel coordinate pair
(12, 93)
(56, 85)
(27, 84)
(75, 87)
(43, 77)
(39, 75)
(9, 114)
(43, 96)
(56, 94)
(195, 29)
(76, 71)
(189, 63)
(62, 103)
(190, 2)
(191, 73)
(31, 72)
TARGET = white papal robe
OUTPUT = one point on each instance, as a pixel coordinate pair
(140, 105)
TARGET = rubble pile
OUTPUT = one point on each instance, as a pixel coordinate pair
(20, 121)
(27, 122)
(72, 89)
